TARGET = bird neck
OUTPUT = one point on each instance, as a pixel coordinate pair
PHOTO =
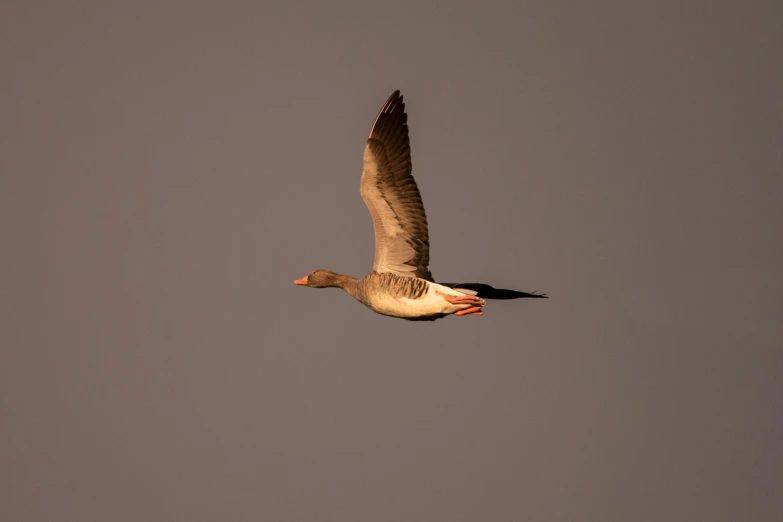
(351, 285)
(343, 281)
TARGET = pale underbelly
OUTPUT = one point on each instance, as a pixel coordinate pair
(428, 305)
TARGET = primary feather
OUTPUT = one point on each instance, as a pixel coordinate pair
(402, 244)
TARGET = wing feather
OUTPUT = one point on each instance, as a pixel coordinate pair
(402, 244)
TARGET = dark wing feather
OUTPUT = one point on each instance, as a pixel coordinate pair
(402, 243)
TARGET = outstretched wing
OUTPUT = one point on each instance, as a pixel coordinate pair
(402, 244)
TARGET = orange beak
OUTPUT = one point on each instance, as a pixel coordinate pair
(302, 281)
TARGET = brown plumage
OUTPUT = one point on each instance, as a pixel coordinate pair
(400, 283)
(402, 243)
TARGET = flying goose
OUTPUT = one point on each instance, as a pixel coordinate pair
(400, 283)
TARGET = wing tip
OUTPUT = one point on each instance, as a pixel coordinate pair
(394, 105)
(394, 101)
(395, 95)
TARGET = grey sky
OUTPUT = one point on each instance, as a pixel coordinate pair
(168, 171)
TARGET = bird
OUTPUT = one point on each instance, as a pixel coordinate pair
(400, 284)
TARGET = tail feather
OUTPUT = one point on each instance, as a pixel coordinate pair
(488, 292)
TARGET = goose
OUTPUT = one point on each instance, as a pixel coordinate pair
(400, 283)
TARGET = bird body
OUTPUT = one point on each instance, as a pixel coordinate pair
(400, 283)
(411, 298)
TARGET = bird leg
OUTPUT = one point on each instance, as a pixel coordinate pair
(473, 310)
(462, 299)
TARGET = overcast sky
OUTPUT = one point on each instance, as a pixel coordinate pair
(166, 172)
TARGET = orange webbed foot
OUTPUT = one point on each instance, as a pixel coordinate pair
(462, 299)
(473, 310)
